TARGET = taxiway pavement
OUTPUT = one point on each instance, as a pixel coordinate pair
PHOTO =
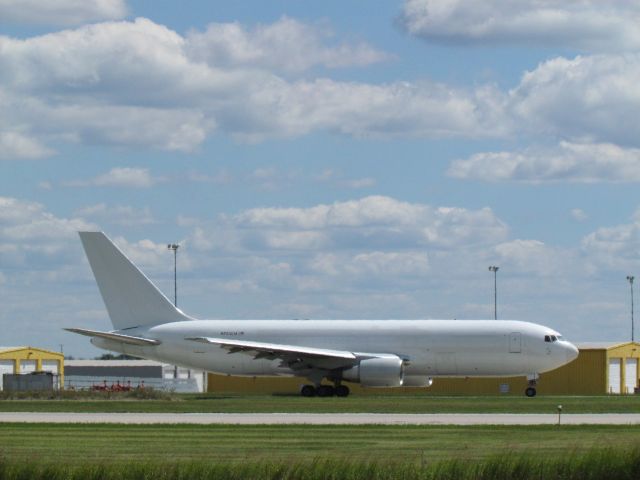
(323, 418)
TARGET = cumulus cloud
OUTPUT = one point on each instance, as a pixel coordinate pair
(591, 99)
(61, 12)
(372, 264)
(118, 214)
(578, 214)
(286, 44)
(533, 256)
(374, 220)
(584, 24)
(141, 84)
(615, 248)
(126, 177)
(15, 145)
(572, 162)
(28, 231)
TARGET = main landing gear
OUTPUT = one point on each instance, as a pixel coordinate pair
(324, 391)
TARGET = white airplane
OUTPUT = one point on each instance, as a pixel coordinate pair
(374, 353)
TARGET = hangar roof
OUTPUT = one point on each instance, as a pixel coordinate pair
(6, 351)
(601, 345)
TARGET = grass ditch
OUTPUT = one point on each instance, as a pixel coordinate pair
(592, 465)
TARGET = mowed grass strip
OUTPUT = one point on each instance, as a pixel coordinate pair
(77, 444)
(200, 403)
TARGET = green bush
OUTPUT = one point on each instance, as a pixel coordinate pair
(134, 394)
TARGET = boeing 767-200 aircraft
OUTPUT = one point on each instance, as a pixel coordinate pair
(374, 353)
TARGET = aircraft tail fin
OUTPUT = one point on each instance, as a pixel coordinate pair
(131, 299)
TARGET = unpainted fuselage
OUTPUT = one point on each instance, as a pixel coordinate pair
(431, 348)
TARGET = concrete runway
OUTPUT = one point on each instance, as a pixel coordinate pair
(323, 418)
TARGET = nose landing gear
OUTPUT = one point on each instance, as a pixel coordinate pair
(531, 389)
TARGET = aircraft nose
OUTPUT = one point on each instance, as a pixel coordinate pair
(571, 352)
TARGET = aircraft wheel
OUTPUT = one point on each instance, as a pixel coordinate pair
(530, 392)
(325, 391)
(308, 391)
(342, 391)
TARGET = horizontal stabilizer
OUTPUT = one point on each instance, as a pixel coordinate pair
(274, 350)
(116, 337)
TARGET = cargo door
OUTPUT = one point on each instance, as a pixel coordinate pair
(614, 375)
(515, 342)
(630, 374)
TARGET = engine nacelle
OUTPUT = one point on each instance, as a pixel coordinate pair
(385, 371)
(417, 381)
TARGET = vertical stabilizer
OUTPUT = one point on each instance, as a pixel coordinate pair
(130, 297)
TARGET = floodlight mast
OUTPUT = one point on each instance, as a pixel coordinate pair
(495, 269)
(631, 278)
(174, 247)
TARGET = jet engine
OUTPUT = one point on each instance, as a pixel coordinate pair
(417, 381)
(387, 371)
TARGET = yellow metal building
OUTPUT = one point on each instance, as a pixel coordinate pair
(601, 368)
(31, 359)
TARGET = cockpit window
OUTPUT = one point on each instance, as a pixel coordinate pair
(553, 338)
(547, 338)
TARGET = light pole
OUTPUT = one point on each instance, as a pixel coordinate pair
(174, 247)
(630, 278)
(495, 269)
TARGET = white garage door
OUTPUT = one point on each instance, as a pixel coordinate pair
(630, 374)
(614, 375)
(27, 366)
(50, 366)
(6, 366)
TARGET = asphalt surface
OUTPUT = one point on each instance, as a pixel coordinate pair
(323, 418)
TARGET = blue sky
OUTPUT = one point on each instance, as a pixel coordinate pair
(327, 160)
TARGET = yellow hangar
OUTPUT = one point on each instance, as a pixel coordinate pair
(16, 360)
(601, 368)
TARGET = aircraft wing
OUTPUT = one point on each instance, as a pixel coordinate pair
(289, 354)
(116, 337)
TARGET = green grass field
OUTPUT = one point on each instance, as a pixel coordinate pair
(195, 403)
(80, 444)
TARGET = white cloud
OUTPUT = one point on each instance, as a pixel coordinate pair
(286, 44)
(615, 248)
(15, 145)
(30, 234)
(125, 177)
(60, 12)
(584, 24)
(152, 256)
(572, 162)
(118, 214)
(373, 264)
(579, 215)
(593, 99)
(374, 220)
(136, 84)
(532, 256)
